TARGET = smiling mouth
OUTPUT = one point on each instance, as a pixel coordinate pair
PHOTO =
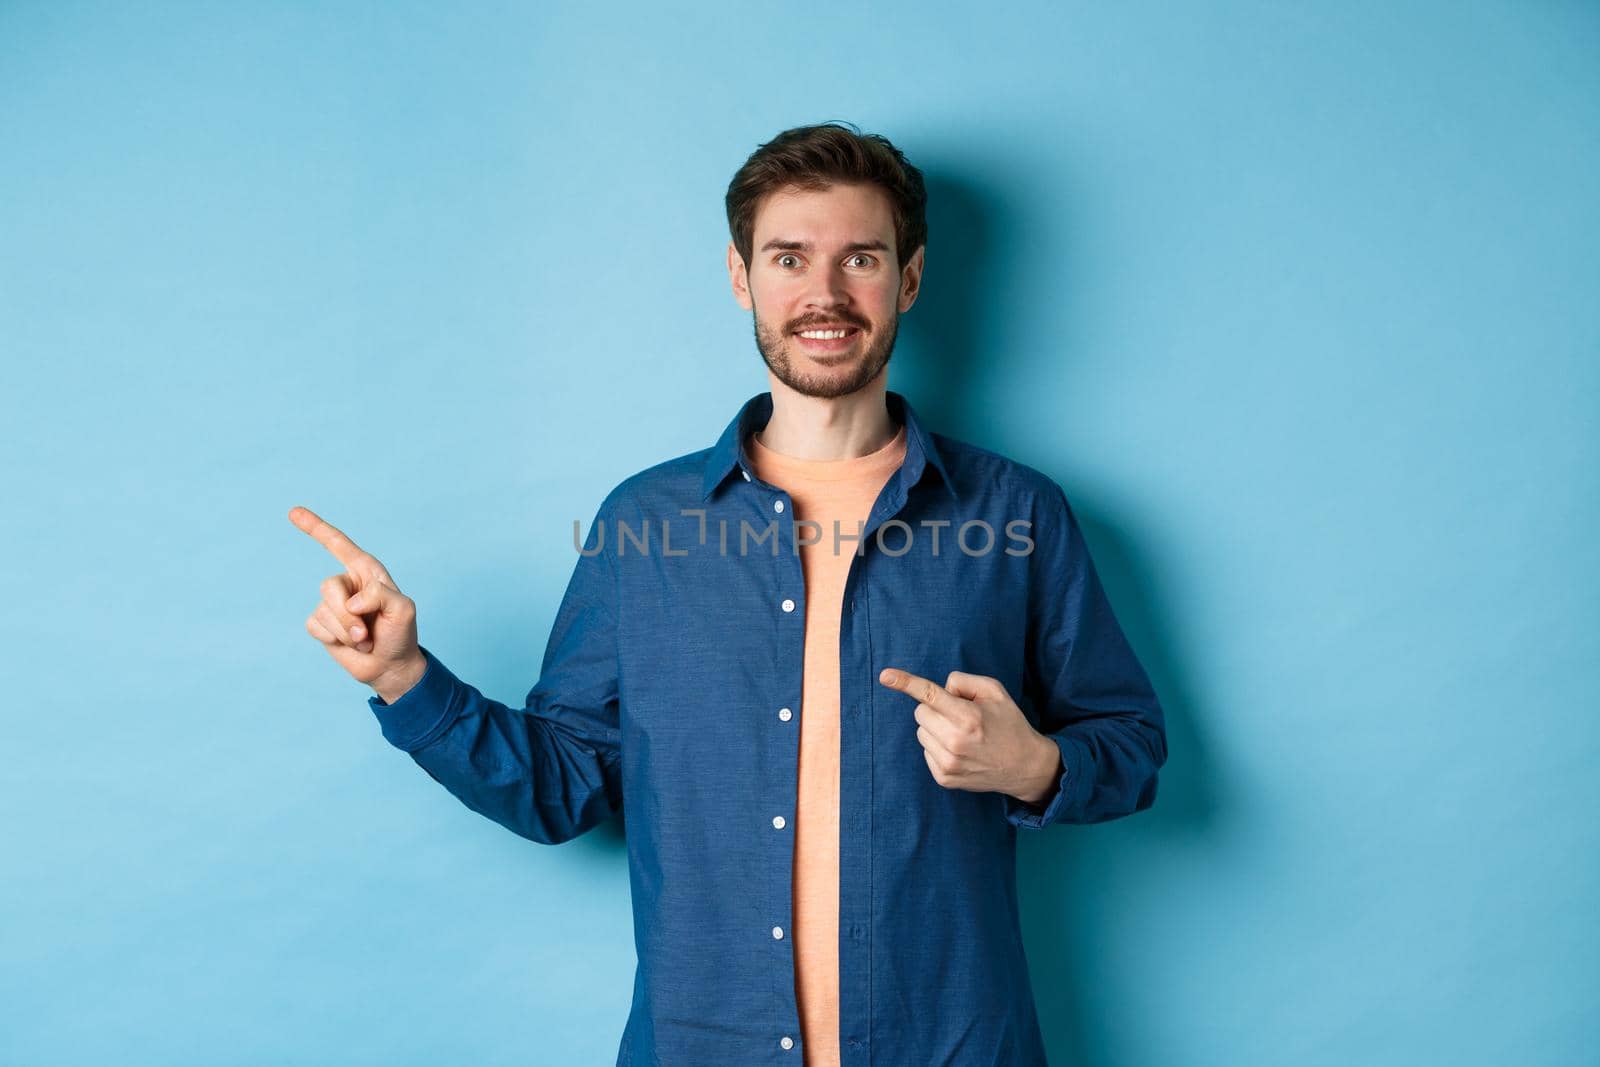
(828, 333)
(836, 339)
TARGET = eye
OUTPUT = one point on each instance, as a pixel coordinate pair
(787, 255)
(863, 255)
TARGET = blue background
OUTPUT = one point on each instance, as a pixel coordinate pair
(1298, 303)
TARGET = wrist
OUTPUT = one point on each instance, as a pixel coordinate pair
(395, 683)
(1041, 783)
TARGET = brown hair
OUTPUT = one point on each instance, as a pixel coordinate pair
(815, 157)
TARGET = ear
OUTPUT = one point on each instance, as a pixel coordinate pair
(739, 278)
(911, 280)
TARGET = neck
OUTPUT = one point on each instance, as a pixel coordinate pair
(845, 427)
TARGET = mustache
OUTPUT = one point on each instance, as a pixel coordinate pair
(822, 324)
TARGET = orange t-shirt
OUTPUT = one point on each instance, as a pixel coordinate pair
(822, 491)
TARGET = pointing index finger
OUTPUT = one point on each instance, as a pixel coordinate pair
(327, 535)
(929, 693)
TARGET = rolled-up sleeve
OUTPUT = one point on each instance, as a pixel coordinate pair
(551, 769)
(1091, 695)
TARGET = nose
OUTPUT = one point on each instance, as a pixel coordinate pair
(827, 289)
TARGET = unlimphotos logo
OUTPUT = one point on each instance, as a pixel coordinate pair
(894, 537)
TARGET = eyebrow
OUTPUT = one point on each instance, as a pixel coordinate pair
(805, 246)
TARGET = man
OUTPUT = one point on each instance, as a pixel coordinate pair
(829, 665)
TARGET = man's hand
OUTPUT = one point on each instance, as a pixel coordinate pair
(367, 625)
(975, 737)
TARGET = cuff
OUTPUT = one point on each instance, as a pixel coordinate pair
(1059, 800)
(423, 712)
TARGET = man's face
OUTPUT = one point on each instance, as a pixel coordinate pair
(825, 261)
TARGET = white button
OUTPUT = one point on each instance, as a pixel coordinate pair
(784, 713)
(787, 1042)
(777, 822)
(745, 473)
(777, 505)
(788, 605)
(777, 933)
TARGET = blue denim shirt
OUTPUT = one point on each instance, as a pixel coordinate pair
(670, 689)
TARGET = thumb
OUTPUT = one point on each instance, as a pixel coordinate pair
(372, 597)
(969, 686)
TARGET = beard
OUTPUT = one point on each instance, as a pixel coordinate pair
(853, 372)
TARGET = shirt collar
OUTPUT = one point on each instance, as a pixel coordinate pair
(729, 451)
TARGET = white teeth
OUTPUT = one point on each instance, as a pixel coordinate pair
(824, 335)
